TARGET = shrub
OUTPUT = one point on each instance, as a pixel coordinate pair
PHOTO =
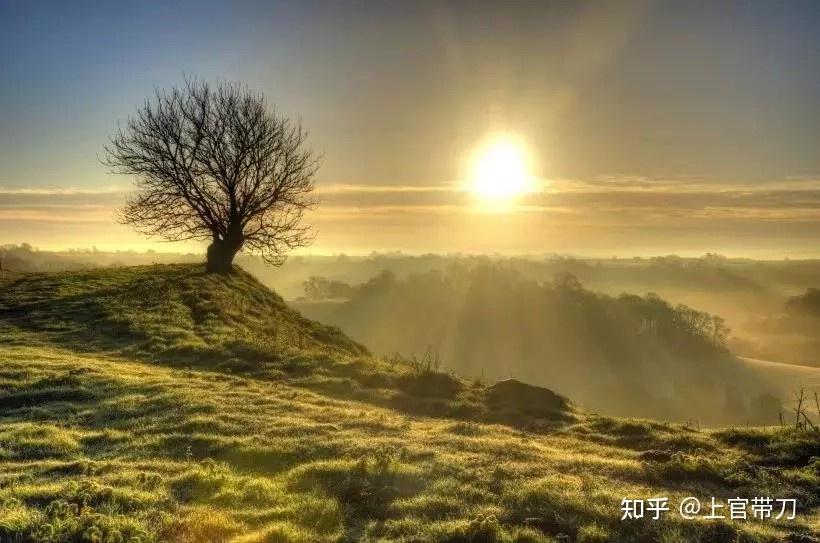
(430, 384)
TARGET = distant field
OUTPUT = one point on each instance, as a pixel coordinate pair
(787, 376)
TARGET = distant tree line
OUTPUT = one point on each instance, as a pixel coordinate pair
(638, 355)
(806, 304)
(321, 288)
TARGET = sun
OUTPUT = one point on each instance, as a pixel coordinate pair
(500, 171)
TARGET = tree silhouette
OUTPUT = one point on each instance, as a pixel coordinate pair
(215, 163)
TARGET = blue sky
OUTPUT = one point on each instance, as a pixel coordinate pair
(628, 108)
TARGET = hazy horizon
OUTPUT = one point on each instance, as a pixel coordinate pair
(180, 249)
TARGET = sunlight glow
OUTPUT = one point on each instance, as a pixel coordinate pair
(500, 171)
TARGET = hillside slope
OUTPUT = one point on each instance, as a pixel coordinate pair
(103, 449)
(180, 316)
(160, 404)
(173, 312)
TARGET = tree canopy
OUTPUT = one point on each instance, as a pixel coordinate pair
(216, 163)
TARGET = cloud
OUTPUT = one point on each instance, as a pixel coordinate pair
(784, 200)
(341, 188)
(781, 200)
(567, 214)
(60, 191)
(59, 205)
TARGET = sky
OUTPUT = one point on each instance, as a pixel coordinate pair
(650, 127)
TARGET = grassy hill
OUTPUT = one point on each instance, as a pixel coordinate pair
(162, 404)
(173, 312)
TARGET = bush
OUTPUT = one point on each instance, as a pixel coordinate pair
(430, 384)
(513, 395)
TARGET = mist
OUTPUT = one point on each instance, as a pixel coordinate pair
(705, 341)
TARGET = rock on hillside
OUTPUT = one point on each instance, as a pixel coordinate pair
(513, 395)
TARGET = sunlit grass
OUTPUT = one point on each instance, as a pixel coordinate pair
(162, 454)
(110, 442)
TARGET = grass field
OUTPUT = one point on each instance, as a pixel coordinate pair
(162, 404)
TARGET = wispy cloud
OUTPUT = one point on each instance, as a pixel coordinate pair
(600, 203)
(783, 199)
(347, 188)
(786, 199)
(566, 214)
(61, 191)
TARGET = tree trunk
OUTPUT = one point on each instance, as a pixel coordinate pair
(221, 254)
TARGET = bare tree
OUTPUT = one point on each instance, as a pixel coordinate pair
(215, 163)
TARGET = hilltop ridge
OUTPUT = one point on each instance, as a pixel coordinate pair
(174, 312)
